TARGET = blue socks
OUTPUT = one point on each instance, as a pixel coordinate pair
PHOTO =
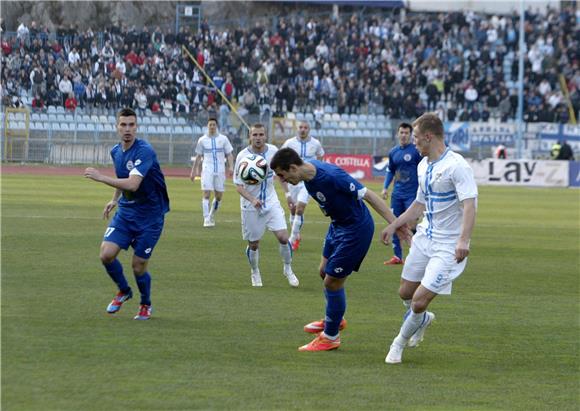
(335, 308)
(144, 284)
(115, 271)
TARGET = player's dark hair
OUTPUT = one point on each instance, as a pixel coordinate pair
(126, 112)
(430, 123)
(212, 119)
(405, 125)
(284, 158)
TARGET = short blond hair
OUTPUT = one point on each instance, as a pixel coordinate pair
(430, 123)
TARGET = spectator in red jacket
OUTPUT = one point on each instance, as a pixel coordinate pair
(71, 102)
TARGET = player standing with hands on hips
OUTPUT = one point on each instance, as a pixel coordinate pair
(403, 161)
(447, 197)
(349, 235)
(261, 209)
(212, 151)
(141, 195)
(308, 148)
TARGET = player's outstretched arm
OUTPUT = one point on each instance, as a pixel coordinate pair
(462, 248)
(131, 183)
(379, 206)
(400, 225)
(230, 164)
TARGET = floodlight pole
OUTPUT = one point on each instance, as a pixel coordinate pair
(520, 113)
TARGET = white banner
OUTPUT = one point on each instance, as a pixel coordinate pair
(521, 172)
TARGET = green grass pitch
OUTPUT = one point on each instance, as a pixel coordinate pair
(506, 339)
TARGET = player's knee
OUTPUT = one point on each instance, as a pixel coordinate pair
(138, 267)
(419, 306)
(253, 245)
(300, 208)
(106, 257)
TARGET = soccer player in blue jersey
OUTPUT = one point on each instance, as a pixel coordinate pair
(403, 161)
(349, 235)
(142, 200)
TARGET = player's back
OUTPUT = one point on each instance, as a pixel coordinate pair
(337, 194)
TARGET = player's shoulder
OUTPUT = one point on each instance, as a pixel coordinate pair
(243, 153)
(271, 148)
(457, 159)
(143, 145)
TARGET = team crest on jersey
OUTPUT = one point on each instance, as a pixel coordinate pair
(352, 187)
(137, 162)
(407, 157)
(320, 196)
(129, 165)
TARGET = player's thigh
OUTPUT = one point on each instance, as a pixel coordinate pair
(417, 260)
(398, 206)
(276, 219)
(118, 232)
(207, 182)
(146, 239)
(349, 251)
(442, 269)
(219, 183)
(253, 225)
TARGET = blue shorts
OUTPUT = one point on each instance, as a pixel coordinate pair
(127, 233)
(346, 248)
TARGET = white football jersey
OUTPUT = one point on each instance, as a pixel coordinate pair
(309, 149)
(264, 191)
(443, 184)
(214, 151)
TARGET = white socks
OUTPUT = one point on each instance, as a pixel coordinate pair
(407, 303)
(286, 253)
(410, 326)
(296, 226)
(205, 207)
(253, 258)
(214, 207)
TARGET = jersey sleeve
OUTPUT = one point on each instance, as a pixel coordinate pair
(143, 161)
(420, 198)
(228, 149)
(345, 183)
(319, 150)
(237, 180)
(464, 181)
(199, 146)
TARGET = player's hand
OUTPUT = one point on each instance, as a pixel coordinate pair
(461, 250)
(291, 205)
(257, 204)
(387, 234)
(230, 172)
(384, 194)
(404, 233)
(92, 173)
(108, 208)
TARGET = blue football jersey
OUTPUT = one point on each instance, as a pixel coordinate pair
(150, 202)
(337, 194)
(403, 161)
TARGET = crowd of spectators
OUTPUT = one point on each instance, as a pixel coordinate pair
(463, 65)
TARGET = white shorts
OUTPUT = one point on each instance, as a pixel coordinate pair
(299, 193)
(433, 264)
(254, 223)
(213, 182)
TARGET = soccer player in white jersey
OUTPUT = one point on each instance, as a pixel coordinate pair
(447, 197)
(261, 209)
(212, 151)
(308, 148)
